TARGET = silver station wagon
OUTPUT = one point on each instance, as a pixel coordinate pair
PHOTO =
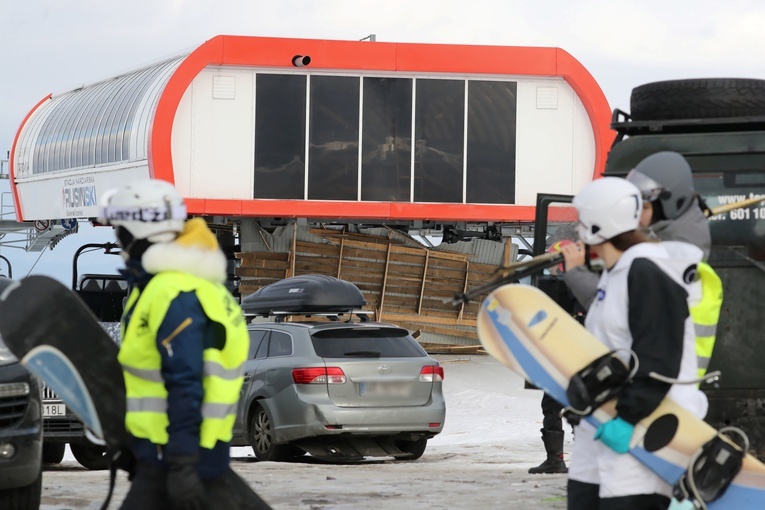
(342, 389)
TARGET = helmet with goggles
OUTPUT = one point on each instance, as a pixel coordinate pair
(665, 177)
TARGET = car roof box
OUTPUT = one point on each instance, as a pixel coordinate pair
(312, 293)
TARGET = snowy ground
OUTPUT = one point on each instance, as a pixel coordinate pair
(479, 461)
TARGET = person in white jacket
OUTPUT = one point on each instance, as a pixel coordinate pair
(641, 305)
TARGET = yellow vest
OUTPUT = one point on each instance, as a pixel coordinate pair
(146, 415)
(706, 314)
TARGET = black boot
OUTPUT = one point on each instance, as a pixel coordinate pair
(553, 441)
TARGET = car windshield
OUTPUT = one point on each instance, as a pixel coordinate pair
(365, 342)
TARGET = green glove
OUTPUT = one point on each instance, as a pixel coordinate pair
(616, 434)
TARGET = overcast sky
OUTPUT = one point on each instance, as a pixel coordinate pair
(53, 46)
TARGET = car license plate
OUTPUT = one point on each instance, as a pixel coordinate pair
(383, 389)
(53, 410)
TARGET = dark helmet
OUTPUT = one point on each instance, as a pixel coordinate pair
(666, 177)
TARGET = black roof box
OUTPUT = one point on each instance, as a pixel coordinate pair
(312, 293)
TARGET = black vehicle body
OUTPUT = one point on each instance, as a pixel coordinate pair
(719, 126)
(21, 441)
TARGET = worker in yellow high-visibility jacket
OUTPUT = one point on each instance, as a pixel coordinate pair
(184, 344)
(706, 314)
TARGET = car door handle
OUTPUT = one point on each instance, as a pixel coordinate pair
(247, 377)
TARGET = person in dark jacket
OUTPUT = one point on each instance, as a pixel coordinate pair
(552, 423)
(184, 343)
(671, 211)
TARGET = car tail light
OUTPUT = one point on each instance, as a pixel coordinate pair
(432, 373)
(318, 375)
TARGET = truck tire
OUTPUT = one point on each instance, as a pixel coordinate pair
(91, 456)
(701, 98)
(53, 453)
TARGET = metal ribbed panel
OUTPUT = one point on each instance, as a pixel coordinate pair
(104, 123)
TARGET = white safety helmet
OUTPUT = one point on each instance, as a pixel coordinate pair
(149, 210)
(607, 207)
(667, 177)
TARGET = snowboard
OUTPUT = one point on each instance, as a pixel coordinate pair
(58, 339)
(523, 328)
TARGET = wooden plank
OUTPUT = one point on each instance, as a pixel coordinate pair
(433, 348)
(464, 288)
(382, 287)
(258, 272)
(425, 313)
(507, 252)
(292, 250)
(267, 264)
(429, 328)
(422, 319)
(363, 265)
(340, 257)
(321, 266)
(247, 257)
(316, 248)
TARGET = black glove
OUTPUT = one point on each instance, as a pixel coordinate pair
(184, 488)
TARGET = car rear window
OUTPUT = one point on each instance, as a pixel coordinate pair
(366, 342)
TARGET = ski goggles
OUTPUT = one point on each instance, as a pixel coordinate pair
(650, 190)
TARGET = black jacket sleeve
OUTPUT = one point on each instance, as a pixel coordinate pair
(658, 308)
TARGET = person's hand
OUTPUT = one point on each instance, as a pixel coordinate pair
(184, 488)
(573, 255)
(616, 434)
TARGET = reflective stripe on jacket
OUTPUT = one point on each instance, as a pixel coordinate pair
(706, 314)
(141, 360)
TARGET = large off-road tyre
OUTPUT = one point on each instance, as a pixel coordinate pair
(701, 98)
(91, 456)
(415, 449)
(27, 497)
(53, 453)
(261, 436)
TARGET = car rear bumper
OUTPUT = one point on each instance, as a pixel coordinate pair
(323, 418)
(378, 420)
(23, 433)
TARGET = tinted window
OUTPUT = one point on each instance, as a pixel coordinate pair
(262, 351)
(333, 157)
(386, 139)
(439, 140)
(280, 136)
(491, 142)
(740, 227)
(256, 337)
(280, 344)
(354, 343)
